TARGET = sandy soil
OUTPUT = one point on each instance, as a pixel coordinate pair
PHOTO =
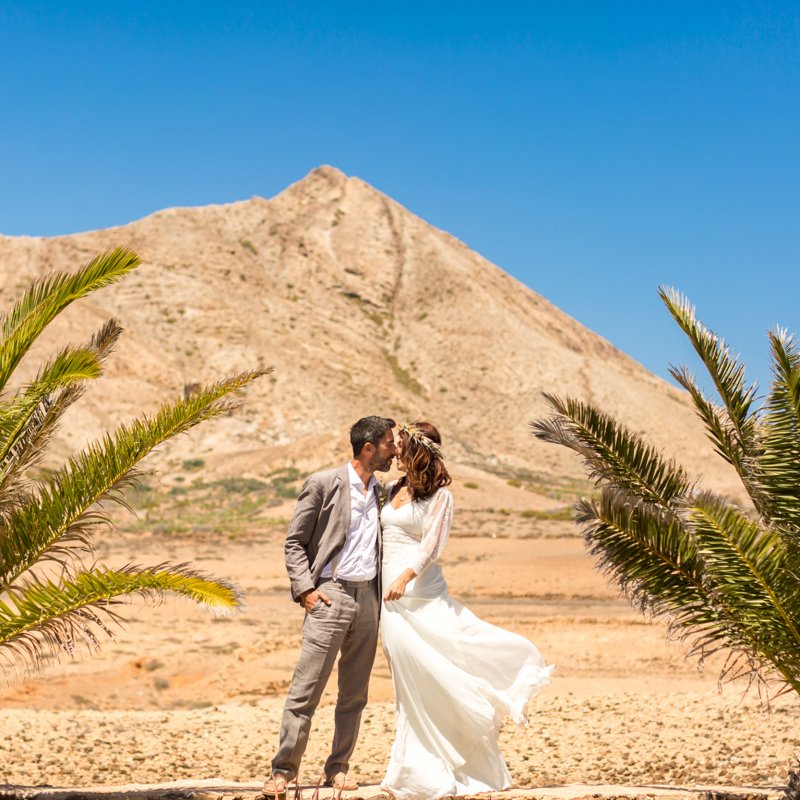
(183, 696)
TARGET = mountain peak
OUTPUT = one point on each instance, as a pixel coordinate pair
(329, 173)
(323, 178)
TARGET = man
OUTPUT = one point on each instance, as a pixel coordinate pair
(332, 556)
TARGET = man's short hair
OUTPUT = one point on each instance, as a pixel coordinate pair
(369, 429)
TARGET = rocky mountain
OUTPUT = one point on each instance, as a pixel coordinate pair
(361, 307)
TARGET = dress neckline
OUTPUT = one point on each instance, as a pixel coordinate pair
(395, 490)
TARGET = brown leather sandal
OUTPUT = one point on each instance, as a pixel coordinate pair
(275, 787)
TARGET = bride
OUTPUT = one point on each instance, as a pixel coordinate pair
(455, 676)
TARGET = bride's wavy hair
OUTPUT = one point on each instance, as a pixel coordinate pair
(425, 469)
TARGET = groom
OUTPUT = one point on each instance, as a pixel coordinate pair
(332, 557)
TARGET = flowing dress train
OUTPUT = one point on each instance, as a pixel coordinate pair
(455, 676)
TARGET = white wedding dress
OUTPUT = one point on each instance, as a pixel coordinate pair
(455, 676)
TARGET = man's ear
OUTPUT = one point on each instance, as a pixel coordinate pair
(368, 449)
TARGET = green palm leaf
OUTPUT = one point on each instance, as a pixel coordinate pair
(70, 366)
(610, 451)
(725, 370)
(655, 561)
(48, 618)
(60, 519)
(720, 431)
(24, 443)
(750, 579)
(52, 520)
(46, 298)
(779, 464)
(722, 578)
(737, 436)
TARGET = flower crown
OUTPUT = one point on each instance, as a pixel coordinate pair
(422, 440)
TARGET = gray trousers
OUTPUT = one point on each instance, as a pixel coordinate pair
(349, 625)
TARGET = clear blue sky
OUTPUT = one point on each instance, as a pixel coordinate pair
(594, 150)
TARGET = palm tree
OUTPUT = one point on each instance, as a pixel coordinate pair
(724, 577)
(53, 595)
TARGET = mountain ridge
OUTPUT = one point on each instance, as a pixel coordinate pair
(362, 307)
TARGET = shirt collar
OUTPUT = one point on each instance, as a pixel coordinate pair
(356, 482)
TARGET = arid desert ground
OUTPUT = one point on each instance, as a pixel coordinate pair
(182, 695)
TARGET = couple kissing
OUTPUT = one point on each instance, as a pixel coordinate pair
(357, 553)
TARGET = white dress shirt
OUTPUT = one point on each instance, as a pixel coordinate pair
(358, 559)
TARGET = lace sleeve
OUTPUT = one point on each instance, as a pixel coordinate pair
(435, 529)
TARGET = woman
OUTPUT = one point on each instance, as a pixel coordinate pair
(455, 677)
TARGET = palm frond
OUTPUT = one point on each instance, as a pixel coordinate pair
(726, 371)
(723, 580)
(63, 515)
(610, 451)
(750, 577)
(50, 295)
(70, 366)
(736, 433)
(104, 340)
(779, 463)
(646, 550)
(24, 451)
(43, 618)
(53, 520)
(53, 408)
(719, 429)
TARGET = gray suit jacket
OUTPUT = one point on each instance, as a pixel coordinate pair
(318, 528)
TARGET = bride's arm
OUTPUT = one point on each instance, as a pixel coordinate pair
(436, 528)
(397, 588)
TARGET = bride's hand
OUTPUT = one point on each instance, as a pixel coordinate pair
(398, 588)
